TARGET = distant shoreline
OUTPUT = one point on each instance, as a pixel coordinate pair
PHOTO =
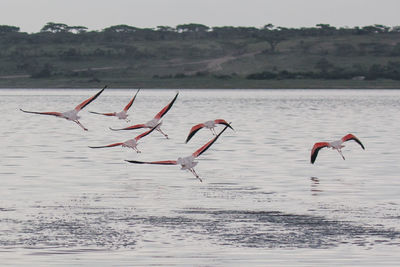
(199, 83)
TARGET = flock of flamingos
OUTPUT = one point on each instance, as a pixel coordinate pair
(188, 162)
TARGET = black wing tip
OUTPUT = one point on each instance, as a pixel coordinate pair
(134, 161)
(190, 136)
(112, 129)
(227, 125)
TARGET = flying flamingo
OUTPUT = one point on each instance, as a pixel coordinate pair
(132, 143)
(188, 162)
(155, 121)
(122, 115)
(335, 145)
(209, 125)
(71, 115)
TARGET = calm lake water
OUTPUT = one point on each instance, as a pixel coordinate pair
(261, 201)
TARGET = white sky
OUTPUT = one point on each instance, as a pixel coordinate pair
(32, 15)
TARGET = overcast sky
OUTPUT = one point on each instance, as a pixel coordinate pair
(32, 15)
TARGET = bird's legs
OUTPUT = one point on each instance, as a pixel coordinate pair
(166, 135)
(77, 122)
(137, 150)
(195, 174)
(340, 152)
(213, 131)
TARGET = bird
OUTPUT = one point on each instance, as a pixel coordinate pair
(71, 115)
(122, 115)
(209, 125)
(132, 143)
(155, 121)
(335, 145)
(187, 163)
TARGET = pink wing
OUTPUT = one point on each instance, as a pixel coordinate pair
(112, 145)
(131, 102)
(202, 149)
(87, 101)
(137, 138)
(105, 114)
(166, 108)
(224, 122)
(349, 137)
(164, 162)
(133, 127)
(57, 114)
(316, 148)
(194, 130)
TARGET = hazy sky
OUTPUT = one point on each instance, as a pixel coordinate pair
(32, 15)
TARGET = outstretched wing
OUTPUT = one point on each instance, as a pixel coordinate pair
(163, 162)
(112, 145)
(202, 149)
(166, 108)
(316, 148)
(349, 137)
(105, 114)
(194, 130)
(133, 127)
(57, 114)
(131, 102)
(222, 121)
(89, 100)
(137, 138)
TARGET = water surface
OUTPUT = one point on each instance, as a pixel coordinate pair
(261, 202)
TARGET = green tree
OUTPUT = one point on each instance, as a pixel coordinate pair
(55, 27)
(8, 29)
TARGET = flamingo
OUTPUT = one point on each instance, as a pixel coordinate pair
(155, 121)
(71, 115)
(122, 115)
(187, 163)
(335, 145)
(132, 143)
(209, 125)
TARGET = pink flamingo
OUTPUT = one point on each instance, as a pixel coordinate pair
(209, 125)
(335, 145)
(71, 115)
(132, 143)
(155, 121)
(122, 115)
(187, 163)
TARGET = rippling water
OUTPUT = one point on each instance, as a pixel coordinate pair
(261, 202)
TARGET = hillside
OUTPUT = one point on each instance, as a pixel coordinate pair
(196, 56)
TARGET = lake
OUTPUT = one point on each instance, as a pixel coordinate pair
(261, 202)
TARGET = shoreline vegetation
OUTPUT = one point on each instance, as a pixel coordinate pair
(192, 56)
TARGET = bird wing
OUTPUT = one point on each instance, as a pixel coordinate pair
(202, 149)
(316, 148)
(349, 137)
(87, 101)
(105, 114)
(194, 130)
(163, 162)
(133, 127)
(222, 121)
(112, 145)
(57, 114)
(166, 108)
(137, 138)
(131, 102)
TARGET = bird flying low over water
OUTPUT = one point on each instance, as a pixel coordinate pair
(132, 143)
(122, 115)
(335, 145)
(155, 121)
(71, 115)
(209, 125)
(187, 163)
